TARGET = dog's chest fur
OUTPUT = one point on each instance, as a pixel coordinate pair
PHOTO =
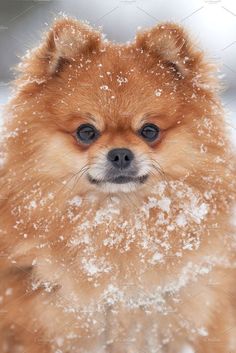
(113, 276)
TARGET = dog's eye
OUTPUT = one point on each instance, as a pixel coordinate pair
(86, 133)
(150, 132)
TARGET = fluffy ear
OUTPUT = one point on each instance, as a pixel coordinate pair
(170, 44)
(67, 39)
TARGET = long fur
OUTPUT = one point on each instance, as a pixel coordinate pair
(116, 269)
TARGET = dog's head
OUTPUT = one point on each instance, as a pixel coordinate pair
(115, 118)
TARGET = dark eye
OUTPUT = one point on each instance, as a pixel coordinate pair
(86, 133)
(150, 132)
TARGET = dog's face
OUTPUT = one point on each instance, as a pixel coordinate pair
(115, 118)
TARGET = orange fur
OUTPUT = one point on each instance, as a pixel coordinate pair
(146, 268)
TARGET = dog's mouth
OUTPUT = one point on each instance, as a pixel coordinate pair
(121, 179)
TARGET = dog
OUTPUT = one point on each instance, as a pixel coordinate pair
(117, 191)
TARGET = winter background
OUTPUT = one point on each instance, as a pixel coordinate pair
(211, 22)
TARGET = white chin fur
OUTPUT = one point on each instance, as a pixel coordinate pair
(114, 188)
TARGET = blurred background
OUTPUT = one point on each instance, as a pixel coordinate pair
(211, 22)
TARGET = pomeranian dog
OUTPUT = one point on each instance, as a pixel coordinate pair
(117, 191)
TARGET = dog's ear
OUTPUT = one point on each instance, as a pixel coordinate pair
(66, 40)
(170, 44)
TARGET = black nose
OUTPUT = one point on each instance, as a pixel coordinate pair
(120, 157)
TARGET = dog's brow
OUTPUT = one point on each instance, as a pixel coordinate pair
(126, 115)
(90, 117)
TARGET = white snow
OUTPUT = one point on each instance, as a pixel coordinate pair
(158, 92)
(75, 201)
(104, 88)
